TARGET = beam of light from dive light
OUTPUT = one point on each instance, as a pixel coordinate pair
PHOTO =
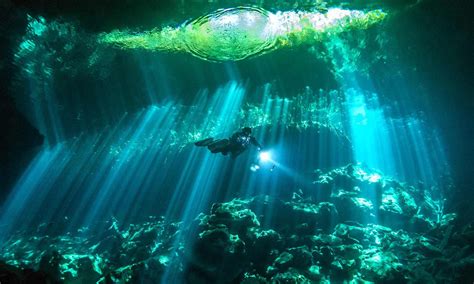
(265, 156)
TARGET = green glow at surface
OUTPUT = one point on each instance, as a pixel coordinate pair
(238, 33)
(230, 34)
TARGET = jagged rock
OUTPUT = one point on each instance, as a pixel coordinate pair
(263, 203)
(85, 272)
(253, 279)
(427, 248)
(295, 240)
(350, 233)
(284, 261)
(349, 252)
(392, 219)
(390, 202)
(263, 239)
(315, 215)
(447, 219)
(234, 215)
(339, 272)
(342, 193)
(354, 208)
(407, 202)
(302, 215)
(380, 266)
(290, 277)
(325, 239)
(219, 254)
(314, 273)
(303, 229)
(302, 257)
(419, 224)
(49, 264)
(323, 256)
(271, 270)
(263, 246)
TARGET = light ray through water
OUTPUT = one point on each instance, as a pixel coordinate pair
(104, 173)
(382, 141)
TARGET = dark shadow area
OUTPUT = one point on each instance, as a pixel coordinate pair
(19, 138)
(105, 15)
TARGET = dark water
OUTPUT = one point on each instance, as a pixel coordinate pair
(367, 121)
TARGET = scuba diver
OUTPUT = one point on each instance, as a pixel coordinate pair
(235, 145)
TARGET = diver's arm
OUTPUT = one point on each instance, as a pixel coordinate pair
(254, 141)
(234, 136)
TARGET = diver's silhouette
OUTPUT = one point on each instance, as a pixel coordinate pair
(235, 145)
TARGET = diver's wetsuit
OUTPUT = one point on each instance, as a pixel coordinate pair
(235, 145)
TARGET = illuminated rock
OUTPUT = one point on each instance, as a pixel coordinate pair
(267, 239)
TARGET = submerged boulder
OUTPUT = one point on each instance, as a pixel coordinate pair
(302, 257)
(235, 215)
(284, 261)
(219, 253)
(290, 277)
(378, 266)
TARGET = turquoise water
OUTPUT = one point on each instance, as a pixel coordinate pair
(363, 111)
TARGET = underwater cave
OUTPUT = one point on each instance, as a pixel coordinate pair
(236, 142)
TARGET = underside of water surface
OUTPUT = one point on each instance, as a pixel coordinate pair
(119, 160)
(239, 33)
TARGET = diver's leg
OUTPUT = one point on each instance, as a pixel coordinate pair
(214, 145)
(218, 146)
(204, 142)
(227, 149)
